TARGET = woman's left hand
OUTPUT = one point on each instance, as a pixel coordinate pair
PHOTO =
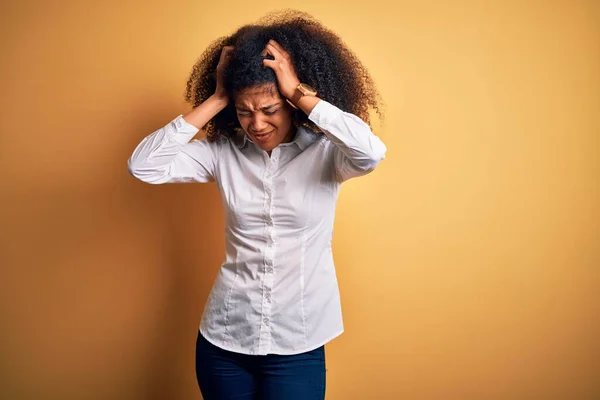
(282, 65)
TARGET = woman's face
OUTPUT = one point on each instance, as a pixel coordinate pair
(265, 116)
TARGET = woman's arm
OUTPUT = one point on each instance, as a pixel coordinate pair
(168, 156)
(357, 150)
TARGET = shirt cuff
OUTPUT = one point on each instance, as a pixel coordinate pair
(181, 130)
(324, 113)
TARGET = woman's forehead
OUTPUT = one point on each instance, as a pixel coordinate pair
(257, 98)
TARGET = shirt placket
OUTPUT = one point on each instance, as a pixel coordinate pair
(269, 259)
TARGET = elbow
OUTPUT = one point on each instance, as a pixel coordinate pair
(135, 170)
(368, 165)
(131, 168)
(370, 159)
(376, 156)
(144, 174)
(378, 150)
(379, 156)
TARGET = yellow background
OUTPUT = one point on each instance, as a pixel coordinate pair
(468, 261)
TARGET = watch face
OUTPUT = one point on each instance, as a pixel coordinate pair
(306, 89)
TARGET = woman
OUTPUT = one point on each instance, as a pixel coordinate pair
(284, 104)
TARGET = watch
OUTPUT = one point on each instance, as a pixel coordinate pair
(301, 90)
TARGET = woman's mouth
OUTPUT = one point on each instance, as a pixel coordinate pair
(262, 137)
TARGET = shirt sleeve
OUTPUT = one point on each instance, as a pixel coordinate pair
(357, 151)
(169, 155)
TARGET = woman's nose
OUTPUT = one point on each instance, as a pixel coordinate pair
(258, 124)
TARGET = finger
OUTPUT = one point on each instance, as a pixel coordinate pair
(226, 52)
(277, 46)
(275, 65)
(283, 52)
(269, 63)
(266, 51)
(274, 51)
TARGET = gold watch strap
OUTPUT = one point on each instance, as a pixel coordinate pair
(297, 96)
(298, 93)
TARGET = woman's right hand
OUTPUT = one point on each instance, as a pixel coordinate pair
(220, 91)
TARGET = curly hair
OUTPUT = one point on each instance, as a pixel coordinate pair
(320, 58)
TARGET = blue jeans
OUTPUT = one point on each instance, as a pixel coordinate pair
(226, 375)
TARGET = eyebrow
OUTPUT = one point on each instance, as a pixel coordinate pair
(262, 108)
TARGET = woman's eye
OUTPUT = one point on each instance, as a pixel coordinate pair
(271, 112)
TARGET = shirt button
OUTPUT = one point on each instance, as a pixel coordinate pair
(270, 269)
(266, 321)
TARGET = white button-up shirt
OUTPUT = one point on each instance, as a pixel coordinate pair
(276, 291)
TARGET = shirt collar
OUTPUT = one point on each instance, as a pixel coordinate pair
(302, 139)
